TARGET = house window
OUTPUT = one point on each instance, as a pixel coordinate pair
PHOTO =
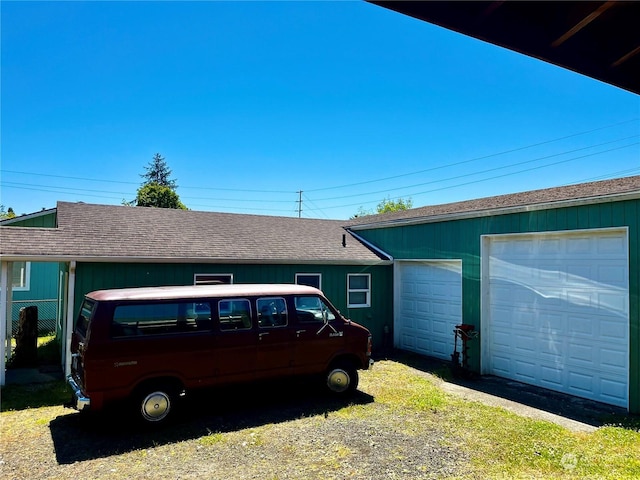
(21, 276)
(358, 290)
(213, 279)
(309, 279)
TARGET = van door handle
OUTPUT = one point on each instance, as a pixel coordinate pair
(298, 332)
(260, 335)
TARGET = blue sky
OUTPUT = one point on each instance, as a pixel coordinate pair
(252, 102)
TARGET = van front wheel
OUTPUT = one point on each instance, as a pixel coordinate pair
(156, 404)
(342, 378)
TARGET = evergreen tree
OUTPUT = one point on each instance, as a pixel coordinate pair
(158, 189)
(158, 172)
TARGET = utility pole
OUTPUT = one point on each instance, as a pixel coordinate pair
(299, 203)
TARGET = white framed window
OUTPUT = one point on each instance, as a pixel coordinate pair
(309, 279)
(213, 279)
(21, 276)
(358, 290)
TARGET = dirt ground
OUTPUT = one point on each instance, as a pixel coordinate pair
(254, 432)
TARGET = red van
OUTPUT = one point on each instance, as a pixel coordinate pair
(152, 345)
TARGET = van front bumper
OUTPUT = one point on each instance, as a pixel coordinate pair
(79, 401)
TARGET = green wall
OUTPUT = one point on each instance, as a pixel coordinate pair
(96, 276)
(460, 239)
(40, 221)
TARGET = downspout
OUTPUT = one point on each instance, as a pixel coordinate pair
(71, 289)
(4, 307)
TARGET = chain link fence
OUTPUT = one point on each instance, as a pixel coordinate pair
(47, 313)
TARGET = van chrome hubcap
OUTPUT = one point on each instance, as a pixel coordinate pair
(338, 380)
(156, 406)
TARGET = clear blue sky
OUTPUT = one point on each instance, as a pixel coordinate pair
(251, 102)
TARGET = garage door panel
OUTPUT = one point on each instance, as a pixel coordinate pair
(433, 289)
(525, 370)
(407, 341)
(551, 377)
(558, 312)
(614, 390)
(581, 382)
(613, 359)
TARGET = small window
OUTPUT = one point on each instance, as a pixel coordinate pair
(213, 279)
(20, 276)
(309, 279)
(272, 312)
(234, 314)
(358, 290)
(310, 309)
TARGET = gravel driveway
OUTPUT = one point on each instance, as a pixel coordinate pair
(273, 432)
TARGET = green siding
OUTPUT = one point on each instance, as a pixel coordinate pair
(96, 276)
(461, 239)
(42, 221)
(43, 283)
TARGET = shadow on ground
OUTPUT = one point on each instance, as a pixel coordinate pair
(79, 437)
(577, 409)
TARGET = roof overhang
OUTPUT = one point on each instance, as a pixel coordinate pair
(198, 260)
(465, 215)
(597, 39)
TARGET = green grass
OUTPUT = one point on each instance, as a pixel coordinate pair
(495, 443)
(501, 444)
(21, 397)
(48, 350)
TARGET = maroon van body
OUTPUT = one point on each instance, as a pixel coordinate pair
(151, 345)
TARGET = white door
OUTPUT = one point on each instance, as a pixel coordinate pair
(428, 304)
(556, 311)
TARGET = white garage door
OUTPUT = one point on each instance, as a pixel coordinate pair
(558, 312)
(428, 305)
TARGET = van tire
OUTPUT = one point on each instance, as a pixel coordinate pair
(342, 378)
(155, 403)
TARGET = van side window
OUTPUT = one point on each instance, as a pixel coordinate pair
(310, 309)
(234, 314)
(272, 312)
(154, 319)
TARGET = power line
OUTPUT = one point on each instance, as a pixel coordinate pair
(217, 188)
(440, 167)
(497, 176)
(84, 179)
(456, 177)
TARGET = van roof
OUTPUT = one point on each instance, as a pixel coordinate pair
(199, 291)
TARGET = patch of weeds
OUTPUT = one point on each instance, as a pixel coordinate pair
(21, 397)
(342, 451)
(213, 438)
(255, 440)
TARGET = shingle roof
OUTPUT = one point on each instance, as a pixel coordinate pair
(106, 232)
(598, 191)
(101, 232)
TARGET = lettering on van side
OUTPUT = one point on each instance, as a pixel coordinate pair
(125, 364)
(334, 333)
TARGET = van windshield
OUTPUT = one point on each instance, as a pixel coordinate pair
(82, 322)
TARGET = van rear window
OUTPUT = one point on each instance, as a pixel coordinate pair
(160, 318)
(82, 322)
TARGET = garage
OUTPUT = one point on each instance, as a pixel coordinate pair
(428, 304)
(556, 311)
